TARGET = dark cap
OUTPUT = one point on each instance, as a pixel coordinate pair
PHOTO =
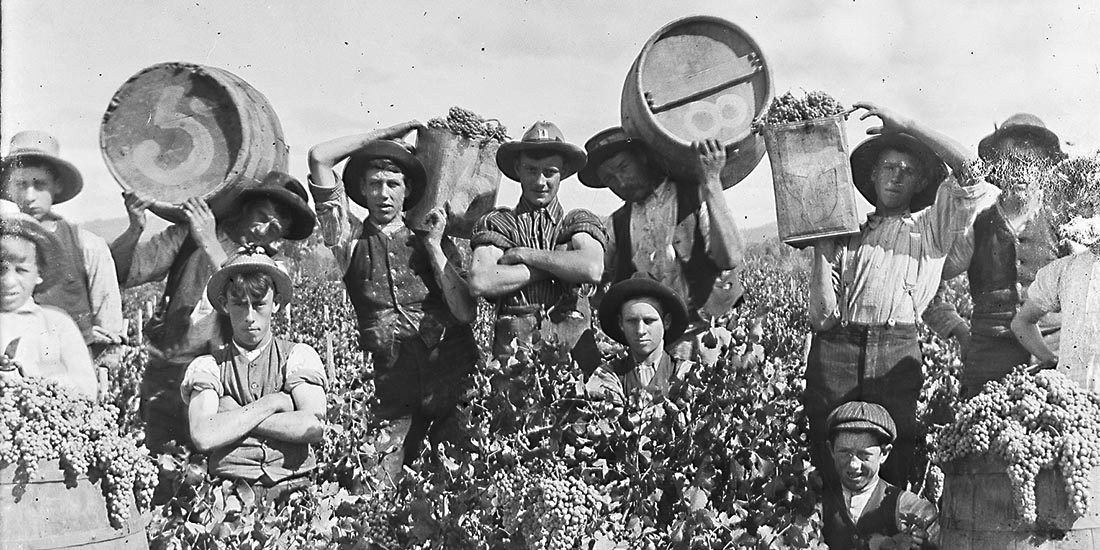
(860, 416)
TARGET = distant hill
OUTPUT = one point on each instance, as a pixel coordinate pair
(110, 228)
(760, 234)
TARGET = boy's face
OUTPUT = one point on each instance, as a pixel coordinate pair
(897, 177)
(32, 188)
(643, 325)
(539, 179)
(18, 272)
(385, 192)
(858, 456)
(250, 317)
(262, 223)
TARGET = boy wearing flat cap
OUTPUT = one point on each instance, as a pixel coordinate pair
(186, 255)
(643, 315)
(86, 287)
(681, 234)
(1002, 252)
(37, 340)
(867, 291)
(865, 509)
(528, 258)
(408, 288)
(256, 402)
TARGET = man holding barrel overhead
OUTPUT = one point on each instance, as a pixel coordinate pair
(531, 259)
(868, 290)
(683, 235)
(36, 178)
(408, 288)
(187, 254)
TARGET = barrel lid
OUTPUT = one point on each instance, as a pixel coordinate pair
(700, 77)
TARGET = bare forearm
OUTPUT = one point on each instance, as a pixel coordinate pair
(571, 266)
(226, 427)
(292, 427)
(955, 154)
(1032, 339)
(456, 291)
(726, 248)
(823, 300)
(500, 279)
(323, 156)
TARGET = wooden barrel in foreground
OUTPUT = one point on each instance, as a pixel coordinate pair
(178, 130)
(50, 514)
(698, 78)
(979, 512)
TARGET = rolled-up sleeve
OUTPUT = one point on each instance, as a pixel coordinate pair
(1044, 291)
(335, 219)
(202, 374)
(304, 366)
(153, 258)
(496, 228)
(958, 202)
(582, 221)
(942, 316)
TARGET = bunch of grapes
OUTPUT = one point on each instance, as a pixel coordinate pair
(552, 509)
(1032, 422)
(470, 125)
(42, 422)
(789, 108)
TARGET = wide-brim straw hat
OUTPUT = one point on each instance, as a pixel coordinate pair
(249, 260)
(397, 151)
(288, 191)
(46, 244)
(1021, 124)
(601, 147)
(41, 146)
(642, 287)
(541, 136)
(867, 154)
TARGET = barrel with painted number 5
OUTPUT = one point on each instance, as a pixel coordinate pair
(178, 130)
(698, 78)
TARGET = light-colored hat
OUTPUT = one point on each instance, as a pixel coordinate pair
(36, 144)
(1021, 124)
(248, 260)
(862, 416)
(541, 136)
(46, 244)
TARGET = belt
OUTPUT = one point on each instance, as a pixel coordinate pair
(996, 301)
(521, 311)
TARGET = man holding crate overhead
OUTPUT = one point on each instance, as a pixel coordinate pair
(683, 235)
(868, 290)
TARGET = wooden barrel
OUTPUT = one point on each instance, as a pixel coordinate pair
(50, 514)
(697, 78)
(177, 130)
(462, 173)
(979, 512)
(812, 179)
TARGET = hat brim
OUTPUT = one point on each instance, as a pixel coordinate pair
(621, 292)
(588, 175)
(69, 178)
(301, 227)
(509, 153)
(987, 146)
(867, 153)
(415, 176)
(46, 244)
(284, 288)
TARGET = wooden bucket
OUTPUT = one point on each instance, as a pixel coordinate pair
(812, 179)
(697, 78)
(462, 173)
(52, 515)
(979, 513)
(177, 130)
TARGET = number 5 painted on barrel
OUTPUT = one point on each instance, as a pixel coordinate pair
(147, 154)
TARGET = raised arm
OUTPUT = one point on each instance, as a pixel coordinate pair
(456, 291)
(122, 248)
(324, 156)
(580, 262)
(823, 310)
(211, 429)
(952, 152)
(724, 243)
(489, 278)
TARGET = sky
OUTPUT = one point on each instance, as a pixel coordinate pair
(332, 68)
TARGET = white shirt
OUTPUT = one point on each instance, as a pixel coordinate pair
(1071, 285)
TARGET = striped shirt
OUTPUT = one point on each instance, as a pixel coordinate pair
(544, 228)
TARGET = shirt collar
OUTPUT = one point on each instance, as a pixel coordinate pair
(30, 306)
(874, 219)
(389, 230)
(553, 209)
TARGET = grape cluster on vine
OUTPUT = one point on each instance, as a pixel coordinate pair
(789, 108)
(41, 422)
(1032, 422)
(548, 507)
(470, 125)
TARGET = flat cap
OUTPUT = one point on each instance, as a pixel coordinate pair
(862, 416)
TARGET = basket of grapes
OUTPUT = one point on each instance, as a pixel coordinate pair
(459, 156)
(811, 176)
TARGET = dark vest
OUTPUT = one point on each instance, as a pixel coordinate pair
(701, 269)
(879, 518)
(993, 271)
(70, 292)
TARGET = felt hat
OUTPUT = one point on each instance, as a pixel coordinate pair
(46, 244)
(642, 287)
(541, 136)
(43, 147)
(867, 154)
(862, 416)
(287, 191)
(600, 147)
(401, 154)
(1017, 125)
(249, 259)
